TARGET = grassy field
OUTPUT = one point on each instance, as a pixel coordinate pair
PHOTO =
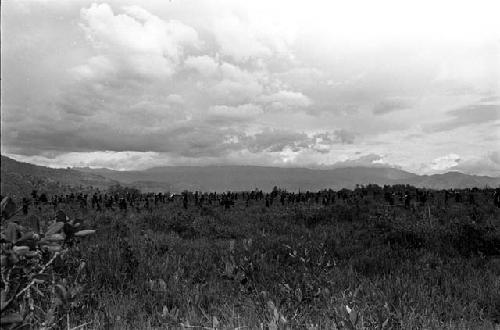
(305, 265)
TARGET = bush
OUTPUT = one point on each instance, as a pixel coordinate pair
(36, 289)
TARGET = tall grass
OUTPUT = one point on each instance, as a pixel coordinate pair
(293, 266)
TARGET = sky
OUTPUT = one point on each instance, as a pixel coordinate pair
(320, 84)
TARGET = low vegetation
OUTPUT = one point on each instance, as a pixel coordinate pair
(298, 265)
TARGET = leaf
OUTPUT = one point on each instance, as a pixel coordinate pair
(43, 242)
(26, 236)
(54, 228)
(11, 318)
(13, 258)
(54, 248)
(8, 207)
(21, 250)
(85, 232)
(41, 277)
(31, 254)
(61, 292)
(353, 316)
(55, 238)
(11, 232)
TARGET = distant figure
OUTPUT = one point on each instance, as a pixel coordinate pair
(185, 201)
(471, 198)
(25, 206)
(407, 199)
(227, 203)
(123, 204)
(61, 216)
(496, 198)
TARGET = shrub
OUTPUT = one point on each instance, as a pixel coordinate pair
(33, 292)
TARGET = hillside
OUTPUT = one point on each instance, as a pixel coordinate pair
(19, 179)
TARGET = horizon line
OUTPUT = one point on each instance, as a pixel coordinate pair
(311, 168)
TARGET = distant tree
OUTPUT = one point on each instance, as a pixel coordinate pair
(122, 190)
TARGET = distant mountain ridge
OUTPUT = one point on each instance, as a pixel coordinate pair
(235, 178)
(19, 179)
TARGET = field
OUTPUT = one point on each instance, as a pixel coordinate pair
(352, 263)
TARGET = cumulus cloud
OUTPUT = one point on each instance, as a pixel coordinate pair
(279, 140)
(243, 40)
(135, 44)
(204, 64)
(240, 112)
(337, 136)
(285, 100)
(197, 82)
(147, 88)
(445, 162)
(344, 136)
(368, 160)
(274, 140)
(237, 85)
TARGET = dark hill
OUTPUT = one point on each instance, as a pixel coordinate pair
(19, 179)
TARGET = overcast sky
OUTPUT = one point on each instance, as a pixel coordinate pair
(136, 84)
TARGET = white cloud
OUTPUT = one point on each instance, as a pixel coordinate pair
(240, 112)
(284, 100)
(97, 68)
(136, 41)
(253, 38)
(175, 99)
(204, 64)
(445, 162)
(178, 78)
(237, 85)
(97, 159)
(237, 40)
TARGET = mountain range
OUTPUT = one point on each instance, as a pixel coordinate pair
(235, 178)
(21, 178)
